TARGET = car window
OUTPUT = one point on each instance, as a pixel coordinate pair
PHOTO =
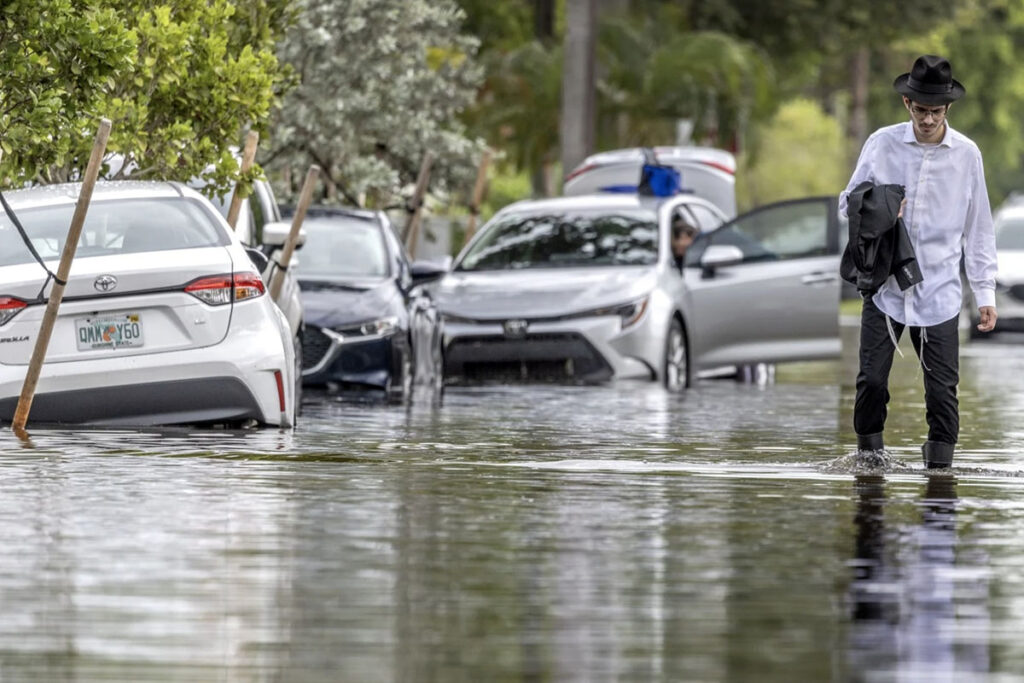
(267, 200)
(683, 212)
(706, 218)
(258, 218)
(342, 246)
(777, 232)
(1010, 233)
(401, 255)
(112, 227)
(245, 225)
(570, 238)
(264, 209)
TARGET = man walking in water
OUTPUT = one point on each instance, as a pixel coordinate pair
(947, 216)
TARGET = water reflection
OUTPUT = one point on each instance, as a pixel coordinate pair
(524, 533)
(916, 615)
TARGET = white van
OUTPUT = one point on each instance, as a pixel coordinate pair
(706, 172)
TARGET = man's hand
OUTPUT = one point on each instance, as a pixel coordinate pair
(903, 205)
(988, 318)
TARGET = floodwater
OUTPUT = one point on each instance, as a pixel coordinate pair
(612, 533)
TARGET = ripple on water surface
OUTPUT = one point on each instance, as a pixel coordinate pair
(554, 533)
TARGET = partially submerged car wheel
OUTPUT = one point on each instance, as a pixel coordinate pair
(401, 391)
(677, 366)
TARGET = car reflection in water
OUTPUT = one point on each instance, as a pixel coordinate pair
(369, 324)
(919, 617)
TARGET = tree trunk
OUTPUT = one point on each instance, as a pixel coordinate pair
(857, 125)
(539, 181)
(577, 124)
(544, 20)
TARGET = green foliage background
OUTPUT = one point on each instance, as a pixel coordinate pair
(179, 80)
(366, 87)
(747, 75)
(800, 155)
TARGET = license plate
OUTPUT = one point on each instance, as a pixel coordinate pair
(109, 332)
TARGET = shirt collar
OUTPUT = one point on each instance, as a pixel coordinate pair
(908, 135)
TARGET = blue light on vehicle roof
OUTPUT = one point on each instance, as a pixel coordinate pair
(659, 181)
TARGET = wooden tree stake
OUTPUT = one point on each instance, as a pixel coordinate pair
(252, 139)
(293, 236)
(35, 365)
(478, 196)
(410, 235)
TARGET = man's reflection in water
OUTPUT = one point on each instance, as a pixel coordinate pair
(916, 615)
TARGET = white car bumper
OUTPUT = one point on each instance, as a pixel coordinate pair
(234, 380)
(578, 349)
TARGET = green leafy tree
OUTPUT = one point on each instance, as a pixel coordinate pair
(500, 25)
(800, 155)
(651, 75)
(58, 59)
(519, 108)
(381, 82)
(982, 43)
(722, 84)
(179, 81)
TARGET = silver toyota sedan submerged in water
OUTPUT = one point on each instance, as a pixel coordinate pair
(586, 289)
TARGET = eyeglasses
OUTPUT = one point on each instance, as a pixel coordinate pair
(922, 112)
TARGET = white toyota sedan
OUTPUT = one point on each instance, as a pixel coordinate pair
(586, 289)
(165, 319)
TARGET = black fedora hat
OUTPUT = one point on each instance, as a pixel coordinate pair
(930, 81)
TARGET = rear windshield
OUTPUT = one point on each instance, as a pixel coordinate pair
(339, 247)
(595, 237)
(122, 226)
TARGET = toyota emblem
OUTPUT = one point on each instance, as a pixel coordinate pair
(105, 283)
(515, 329)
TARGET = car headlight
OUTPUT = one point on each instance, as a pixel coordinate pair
(375, 328)
(630, 313)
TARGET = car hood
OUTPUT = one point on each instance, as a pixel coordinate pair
(337, 303)
(1011, 267)
(540, 293)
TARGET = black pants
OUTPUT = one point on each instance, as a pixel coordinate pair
(940, 364)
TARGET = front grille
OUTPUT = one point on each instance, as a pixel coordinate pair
(552, 357)
(315, 345)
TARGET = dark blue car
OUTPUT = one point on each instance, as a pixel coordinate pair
(369, 324)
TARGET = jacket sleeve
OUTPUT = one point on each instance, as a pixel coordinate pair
(865, 170)
(979, 240)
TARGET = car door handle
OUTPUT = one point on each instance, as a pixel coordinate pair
(818, 278)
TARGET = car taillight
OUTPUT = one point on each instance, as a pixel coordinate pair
(578, 171)
(9, 307)
(280, 388)
(248, 286)
(721, 167)
(219, 289)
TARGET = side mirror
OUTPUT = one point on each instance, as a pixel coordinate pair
(276, 232)
(718, 256)
(258, 258)
(426, 271)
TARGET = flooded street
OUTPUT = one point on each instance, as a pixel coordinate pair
(534, 533)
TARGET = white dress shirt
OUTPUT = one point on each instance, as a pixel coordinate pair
(947, 214)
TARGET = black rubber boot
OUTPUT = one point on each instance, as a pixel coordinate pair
(937, 454)
(870, 442)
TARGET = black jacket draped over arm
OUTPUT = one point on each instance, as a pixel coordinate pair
(879, 245)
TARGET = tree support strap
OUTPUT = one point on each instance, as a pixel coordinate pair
(50, 275)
